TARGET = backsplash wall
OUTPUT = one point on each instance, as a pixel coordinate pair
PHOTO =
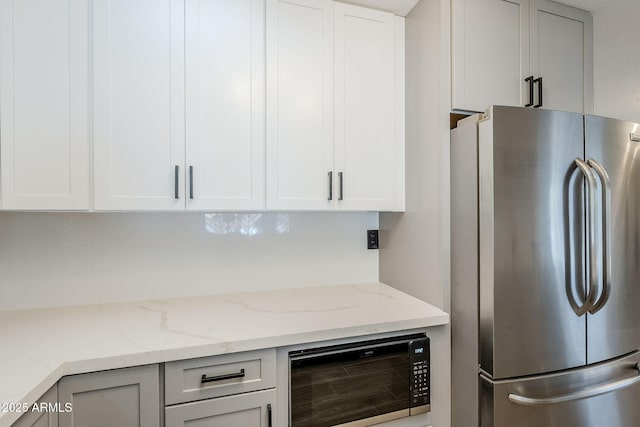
(58, 259)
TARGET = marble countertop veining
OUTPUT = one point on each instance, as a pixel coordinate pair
(38, 347)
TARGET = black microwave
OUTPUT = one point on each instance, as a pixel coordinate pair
(359, 384)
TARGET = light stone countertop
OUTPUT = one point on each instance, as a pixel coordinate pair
(38, 347)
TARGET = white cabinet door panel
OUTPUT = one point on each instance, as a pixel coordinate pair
(364, 108)
(138, 53)
(225, 104)
(44, 100)
(299, 104)
(561, 46)
(490, 53)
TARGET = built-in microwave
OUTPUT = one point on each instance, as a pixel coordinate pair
(359, 384)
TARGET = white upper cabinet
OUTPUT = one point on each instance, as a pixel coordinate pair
(44, 97)
(225, 104)
(335, 80)
(490, 41)
(562, 55)
(139, 107)
(532, 53)
(200, 105)
(299, 104)
(364, 108)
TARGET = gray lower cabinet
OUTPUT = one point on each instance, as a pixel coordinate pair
(128, 397)
(255, 409)
(45, 416)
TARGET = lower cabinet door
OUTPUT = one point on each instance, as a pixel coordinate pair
(255, 409)
(44, 413)
(128, 397)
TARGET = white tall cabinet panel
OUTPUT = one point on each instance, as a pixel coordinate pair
(364, 108)
(138, 72)
(561, 53)
(490, 53)
(44, 123)
(299, 104)
(225, 104)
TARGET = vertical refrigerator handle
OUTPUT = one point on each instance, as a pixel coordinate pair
(591, 238)
(606, 235)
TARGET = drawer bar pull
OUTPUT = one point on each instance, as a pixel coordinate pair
(206, 379)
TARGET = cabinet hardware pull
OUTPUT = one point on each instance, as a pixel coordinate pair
(269, 413)
(539, 81)
(330, 186)
(530, 81)
(340, 176)
(206, 379)
(176, 182)
(191, 182)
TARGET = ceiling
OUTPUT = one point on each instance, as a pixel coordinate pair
(398, 7)
(596, 5)
(402, 7)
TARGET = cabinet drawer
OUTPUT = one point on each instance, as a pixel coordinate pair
(244, 410)
(207, 377)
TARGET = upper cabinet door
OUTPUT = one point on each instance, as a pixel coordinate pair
(225, 104)
(490, 53)
(299, 104)
(44, 104)
(562, 54)
(364, 108)
(497, 44)
(138, 70)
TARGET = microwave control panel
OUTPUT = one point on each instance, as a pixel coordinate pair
(419, 356)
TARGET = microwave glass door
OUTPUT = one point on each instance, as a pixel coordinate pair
(339, 387)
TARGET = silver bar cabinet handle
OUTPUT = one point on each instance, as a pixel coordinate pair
(582, 394)
(191, 182)
(591, 238)
(330, 186)
(341, 178)
(176, 183)
(606, 235)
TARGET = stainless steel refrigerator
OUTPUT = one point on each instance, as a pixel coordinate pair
(545, 288)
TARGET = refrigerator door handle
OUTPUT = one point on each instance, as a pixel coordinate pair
(606, 235)
(582, 394)
(591, 238)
